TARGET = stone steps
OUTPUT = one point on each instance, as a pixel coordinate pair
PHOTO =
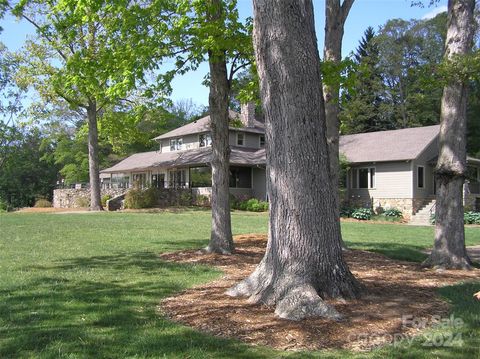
(422, 217)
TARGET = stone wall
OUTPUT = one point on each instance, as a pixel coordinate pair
(471, 202)
(78, 198)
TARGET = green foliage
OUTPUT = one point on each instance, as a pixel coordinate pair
(28, 171)
(363, 214)
(252, 205)
(42, 203)
(202, 201)
(104, 199)
(141, 198)
(346, 212)
(186, 198)
(472, 217)
(393, 212)
(82, 202)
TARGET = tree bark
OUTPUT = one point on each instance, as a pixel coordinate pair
(335, 17)
(303, 262)
(221, 240)
(93, 166)
(449, 246)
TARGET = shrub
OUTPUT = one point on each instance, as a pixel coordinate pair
(104, 199)
(363, 214)
(204, 201)
(140, 198)
(252, 205)
(393, 212)
(471, 217)
(346, 212)
(4, 207)
(186, 199)
(82, 202)
(42, 203)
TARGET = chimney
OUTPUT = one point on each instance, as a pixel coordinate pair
(248, 114)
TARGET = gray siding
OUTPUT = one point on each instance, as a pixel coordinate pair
(259, 181)
(392, 180)
(430, 152)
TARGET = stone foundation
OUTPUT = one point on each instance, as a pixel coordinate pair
(471, 202)
(80, 197)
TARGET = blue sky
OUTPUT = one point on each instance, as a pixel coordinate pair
(364, 13)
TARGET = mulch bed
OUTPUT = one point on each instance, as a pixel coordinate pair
(395, 288)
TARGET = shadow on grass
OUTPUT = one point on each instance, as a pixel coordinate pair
(104, 306)
(402, 252)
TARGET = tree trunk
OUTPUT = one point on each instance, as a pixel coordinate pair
(303, 262)
(449, 245)
(221, 240)
(93, 166)
(335, 17)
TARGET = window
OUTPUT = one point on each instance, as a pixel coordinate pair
(177, 178)
(240, 177)
(420, 176)
(240, 139)
(262, 141)
(158, 180)
(201, 176)
(176, 144)
(205, 140)
(139, 180)
(363, 177)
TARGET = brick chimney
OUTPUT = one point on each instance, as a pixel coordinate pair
(248, 114)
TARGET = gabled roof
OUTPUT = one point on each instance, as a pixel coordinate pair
(396, 145)
(203, 125)
(202, 156)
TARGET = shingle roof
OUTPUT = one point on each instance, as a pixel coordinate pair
(382, 146)
(146, 160)
(203, 125)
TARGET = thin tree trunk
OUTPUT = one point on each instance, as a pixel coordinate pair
(303, 262)
(221, 240)
(335, 17)
(449, 245)
(93, 166)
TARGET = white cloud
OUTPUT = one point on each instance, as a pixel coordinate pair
(434, 12)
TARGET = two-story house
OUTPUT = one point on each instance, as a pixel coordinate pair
(184, 155)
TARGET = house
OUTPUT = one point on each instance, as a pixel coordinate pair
(395, 169)
(388, 169)
(184, 155)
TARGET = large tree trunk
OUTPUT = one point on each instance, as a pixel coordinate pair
(93, 167)
(449, 245)
(303, 262)
(335, 17)
(221, 240)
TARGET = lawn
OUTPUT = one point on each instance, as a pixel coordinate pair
(88, 285)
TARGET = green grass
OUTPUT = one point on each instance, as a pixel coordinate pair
(88, 285)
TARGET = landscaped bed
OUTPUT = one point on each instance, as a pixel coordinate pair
(394, 289)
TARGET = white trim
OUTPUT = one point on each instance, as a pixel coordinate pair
(206, 134)
(423, 177)
(369, 184)
(244, 139)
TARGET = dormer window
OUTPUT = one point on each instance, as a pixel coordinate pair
(204, 140)
(176, 144)
(240, 139)
(262, 141)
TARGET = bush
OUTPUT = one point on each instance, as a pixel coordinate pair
(471, 217)
(468, 218)
(42, 203)
(140, 198)
(393, 212)
(346, 212)
(204, 201)
(104, 199)
(252, 205)
(82, 202)
(186, 199)
(4, 207)
(363, 214)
